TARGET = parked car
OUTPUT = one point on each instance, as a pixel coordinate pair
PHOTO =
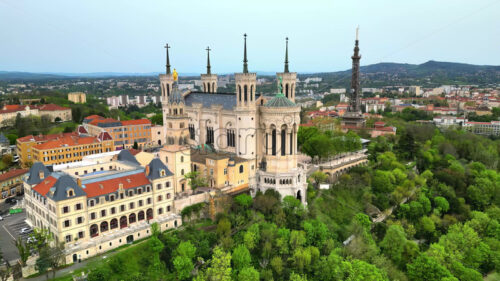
(11, 200)
(25, 230)
(1, 218)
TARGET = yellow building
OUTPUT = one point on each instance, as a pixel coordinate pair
(77, 97)
(96, 206)
(11, 182)
(24, 145)
(222, 170)
(71, 148)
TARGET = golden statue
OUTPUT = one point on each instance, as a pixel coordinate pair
(175, 75)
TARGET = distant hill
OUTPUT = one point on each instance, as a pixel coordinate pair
(431, 73)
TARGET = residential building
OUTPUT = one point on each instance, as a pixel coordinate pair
(77, 97)
(96, 206)
(483, 128)
(11, 182)
(124, 133)
(24, 145)
(71, 148)
(223, 171)
(55, 112)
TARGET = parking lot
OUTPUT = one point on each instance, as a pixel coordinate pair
(9, 232)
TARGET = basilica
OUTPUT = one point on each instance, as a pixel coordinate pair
(245, 125)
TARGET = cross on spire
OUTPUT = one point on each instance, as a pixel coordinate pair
(208, 60)
(245, 61)
(168, 59)
(286, 57)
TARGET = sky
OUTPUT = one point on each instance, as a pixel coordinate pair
(128, 36)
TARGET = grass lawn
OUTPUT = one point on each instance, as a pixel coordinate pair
(59, 128)
(495, 276)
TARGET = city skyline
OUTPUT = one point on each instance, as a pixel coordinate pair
(129, 37)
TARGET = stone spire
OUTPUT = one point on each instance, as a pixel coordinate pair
(355, 84)
(245, 61)
(208, 60)
(286, 57)
(168, 59)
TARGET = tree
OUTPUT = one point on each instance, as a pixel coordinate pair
(319, 177)
(195, 180)
(241, 257)
(40, 238)
(244, 200)
(56, 257)
(361, 270)
(248, 274)
(135, 146)
(441, 204)
(316, 232)
(277, 265)
(43, 262)
(427, 268)
(157, 119)
(220, 266)
(7, 159)
(183, 267)
(155, 246)
(394, 243)
(23, 249)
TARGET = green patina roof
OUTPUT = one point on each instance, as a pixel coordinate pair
(280, 100)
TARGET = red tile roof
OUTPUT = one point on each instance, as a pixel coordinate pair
(134, 151)
(50, 107)
(107, 186)
(66, 142)
(45, 185)
(12, 174)
(136, 122)
(44, 138)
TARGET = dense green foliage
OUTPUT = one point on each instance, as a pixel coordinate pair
(316, 143)
(426, 207)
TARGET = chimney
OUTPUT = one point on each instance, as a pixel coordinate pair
(79, 182)
(147, 170)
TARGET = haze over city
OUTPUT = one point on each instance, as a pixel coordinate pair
(123, 36)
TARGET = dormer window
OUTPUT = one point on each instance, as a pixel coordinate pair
(41, 175)
(162, 172)
(71, 193)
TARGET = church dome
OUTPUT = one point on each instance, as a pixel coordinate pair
(280, 101)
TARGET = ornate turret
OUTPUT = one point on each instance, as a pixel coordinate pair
(209, 80)
(245, 60)
(175, 118)
(288, 78)
(166, 80)
(245, 83)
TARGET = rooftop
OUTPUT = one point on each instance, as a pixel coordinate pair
(12, 174)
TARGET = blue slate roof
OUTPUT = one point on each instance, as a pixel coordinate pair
(176, 95)
(3, 139)
(125, 155)
(155, 168)
(34, 173)
(60, 189)
(228, 101)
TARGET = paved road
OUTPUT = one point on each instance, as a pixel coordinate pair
(9, 231)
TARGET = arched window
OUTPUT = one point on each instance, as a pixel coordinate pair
(113, 224)
(241, 169)
(252, 94)
(213, 87)
(149, 214)
(208, 90)
(239, 92)
(123, 222)
(94, 230)
(182, 159)
(104, 226)
(140, 216)
(131, 218)
(286, 91)
(283, 141)
(273, 142)
(245, 93)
